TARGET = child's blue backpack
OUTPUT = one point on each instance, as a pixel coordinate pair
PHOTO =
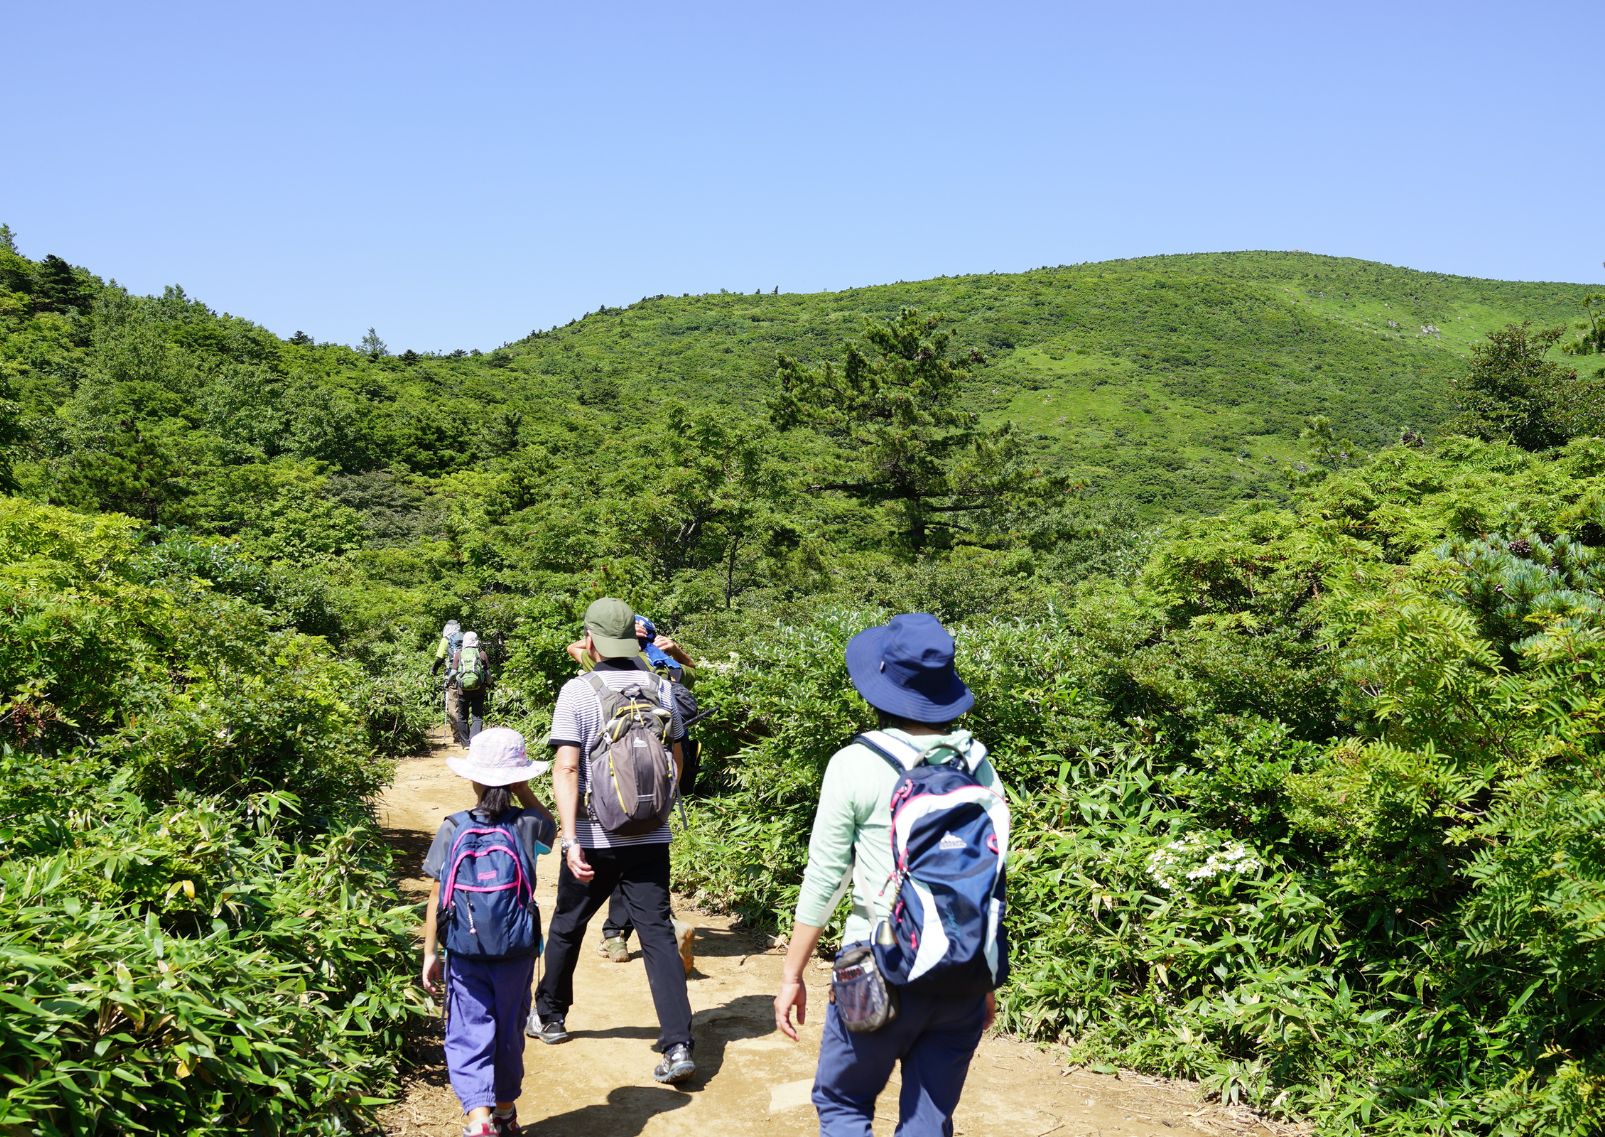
(950, 837)
(487, 898)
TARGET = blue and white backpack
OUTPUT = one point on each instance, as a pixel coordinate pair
(487, 902)
(950, 838)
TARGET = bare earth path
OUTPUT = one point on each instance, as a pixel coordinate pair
(749, 1079)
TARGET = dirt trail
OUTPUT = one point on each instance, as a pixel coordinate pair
(749, 1079)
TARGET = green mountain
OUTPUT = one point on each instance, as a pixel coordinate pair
(1180, 382)
(1175, 384)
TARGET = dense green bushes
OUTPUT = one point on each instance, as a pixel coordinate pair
(195, 934)
(1309, 809)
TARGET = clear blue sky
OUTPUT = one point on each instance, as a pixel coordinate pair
(457, 175)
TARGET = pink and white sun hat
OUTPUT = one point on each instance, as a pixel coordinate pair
(496, 757)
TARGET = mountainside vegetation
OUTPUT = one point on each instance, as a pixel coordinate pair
(1296, 687)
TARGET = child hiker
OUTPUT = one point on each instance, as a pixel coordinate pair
(482, 910)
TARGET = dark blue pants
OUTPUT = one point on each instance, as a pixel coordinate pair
(487, 1001)
(934, 1037)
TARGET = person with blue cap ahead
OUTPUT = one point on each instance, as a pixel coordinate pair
(904, 670)
(663, 654)
(659, 653)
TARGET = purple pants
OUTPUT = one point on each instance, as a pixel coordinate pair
(487, 1001)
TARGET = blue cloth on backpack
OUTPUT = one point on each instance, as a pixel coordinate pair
(658, 658)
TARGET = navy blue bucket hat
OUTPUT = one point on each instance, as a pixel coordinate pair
(905, 668)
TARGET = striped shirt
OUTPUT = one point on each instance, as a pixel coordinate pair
(577, 721)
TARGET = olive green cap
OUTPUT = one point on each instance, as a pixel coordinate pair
(611, 624)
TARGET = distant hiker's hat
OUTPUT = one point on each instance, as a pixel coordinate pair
(611, 624)
(905, 668)
(451, 628)
(470, 639)
(496, 757)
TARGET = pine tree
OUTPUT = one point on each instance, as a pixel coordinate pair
(1514, 393)
(58, 288)
(893, 411)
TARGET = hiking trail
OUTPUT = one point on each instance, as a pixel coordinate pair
(750, 1080)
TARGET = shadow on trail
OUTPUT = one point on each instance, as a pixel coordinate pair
(624, 1114)
(410, 848)
(716, 943)
(647, 1032)
(423, 1053)
(746, 1016)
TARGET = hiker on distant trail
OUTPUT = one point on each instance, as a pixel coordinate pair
(482, 910)
(451, 638)
(467, 683)
(617, 717)
(668, 660)
(922, 994)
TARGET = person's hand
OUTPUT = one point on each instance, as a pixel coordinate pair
(991, 1010)
(792, 994)
(430, 975)
(577, 864)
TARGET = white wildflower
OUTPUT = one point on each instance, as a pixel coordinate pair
(1194, 858)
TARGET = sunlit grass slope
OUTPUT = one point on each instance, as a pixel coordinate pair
(1177, 382)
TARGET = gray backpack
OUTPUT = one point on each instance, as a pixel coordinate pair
(632, 778)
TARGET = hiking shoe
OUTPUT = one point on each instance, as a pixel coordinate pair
(676, 1065)
(616, 949)
(506, 1124)
(480, 1129)
(685, 935)
(551, 1031)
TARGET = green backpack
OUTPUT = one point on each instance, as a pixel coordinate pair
(470, 669)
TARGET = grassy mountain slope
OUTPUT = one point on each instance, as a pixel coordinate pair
(1172, 384)
(1177, 382)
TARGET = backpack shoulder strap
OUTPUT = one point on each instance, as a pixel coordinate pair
(874, 747)
(458, 821)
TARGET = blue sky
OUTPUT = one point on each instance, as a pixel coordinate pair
(459, 175)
